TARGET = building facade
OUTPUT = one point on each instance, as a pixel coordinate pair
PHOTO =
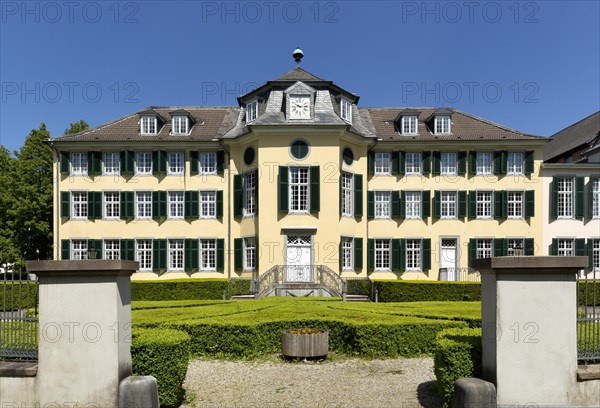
(298, 176)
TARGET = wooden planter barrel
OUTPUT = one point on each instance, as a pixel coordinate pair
(305, 343)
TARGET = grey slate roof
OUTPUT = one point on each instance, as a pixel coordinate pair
(298, 74)
(578, 135)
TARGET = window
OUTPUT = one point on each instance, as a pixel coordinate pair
(143, 163)
(382, 254)
(208, 163)
(347, 254)
(143, 204)
(112, 249)
(175, 204)
(442, 124)
(413, 163)
(484, 163)
(78, 249)
(179, 125)
(565, 247)
(208, 204)
(448, 204)
(515, 204)
(79, 164)
(250, 194)
(208, 255)
(484, 204)
(596, 255)
(413, 204)
(484, 248)
(148, 125)
(299, 187)
(176, 163)
(346, 110)
(79, 205)
(111, 205)
(347, 194)
(176, 255)
(409, 125)
(515, 245)
(565, 197)
(112, 163)
(595, 199)
(251, 111)
(413, 254)
(449, 163)
(382, 204)
(515, 163)
(382, 163)
(299, 149)
(143, 254)
(249, 254)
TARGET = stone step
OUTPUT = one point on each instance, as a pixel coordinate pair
(242, 297)
(357, 298)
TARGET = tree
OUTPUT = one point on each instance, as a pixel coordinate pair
(9, 252)
(77, 127)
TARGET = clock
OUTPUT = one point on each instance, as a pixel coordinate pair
(299, 107)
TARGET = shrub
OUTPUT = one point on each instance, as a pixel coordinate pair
(18, 295)
(164, 354)
(457, 355)
(589, 293)
(178, 289)
(427, 291)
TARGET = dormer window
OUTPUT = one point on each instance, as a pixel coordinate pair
(148, 125)
(180, 125)
(442, 125)
(346, 110)
(409, 125)
(251, 111)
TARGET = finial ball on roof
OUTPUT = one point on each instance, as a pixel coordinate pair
(298, 54)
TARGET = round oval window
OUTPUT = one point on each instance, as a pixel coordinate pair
(249, 155)
(348, 156)
(299, 149)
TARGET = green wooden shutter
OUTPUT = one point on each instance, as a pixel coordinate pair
(127, 204)
(500, 204)
(426, 163)
(395, 162)
(370, 204)
(472, 163)
(436, 163)
(127, 249)
(590, 253)
(371, 162)
(462, 163)
(437, 204)
(497, 162)
(65, 249)
(426, 262)
(65, 163)
(126, 158)
(579, 197)
(94, 163)
(498, 246)
(473, 204)
(425, 204)
(341, 194)
(315, 183)
(529, 203)
(396, 203)
(554, 248)
(402, 204)
(219, 203)
(159, 162)
(579, 246)
(65, 204)
(402, 255)
(503, 162)
(472, 250)
(370, 255)
(529, 247)
(192, 255)
(590, 198)
(192, 205)
(220, 162)
(238, 254)
(283, 193)
(94, 205)
(529, 162)
(554, 199)
(194, 168)
(159, 255)
(220, 254)
(396, 255)
(95, 244)
(159, 204)
(358, 253)
(462, 204)
(358, 195)
(238, 196)
(401, 163)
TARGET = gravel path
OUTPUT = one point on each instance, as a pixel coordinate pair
(402, 383)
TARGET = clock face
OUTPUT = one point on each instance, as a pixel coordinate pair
(299, 107)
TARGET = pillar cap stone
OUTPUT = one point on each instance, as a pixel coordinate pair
(83, 267)
(532, 264)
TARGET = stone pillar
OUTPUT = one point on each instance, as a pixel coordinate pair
(529, 314)
(85, 331)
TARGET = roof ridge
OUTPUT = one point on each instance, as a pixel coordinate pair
(489, 122)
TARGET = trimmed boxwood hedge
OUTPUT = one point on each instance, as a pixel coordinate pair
(19, 295)
(178, 289)
(457, 355)
(427, 291)
(163, 354)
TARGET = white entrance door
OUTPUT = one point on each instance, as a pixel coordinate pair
(297, 260)
(448, 260)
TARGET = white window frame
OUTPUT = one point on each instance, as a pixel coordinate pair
(347, 254)
(595, 197)
(347, 187)
(250, 180)
(566, 197)
(79, 249)
(251, 111)
(515, 163)
(383, 255)
(143, 205)
(111, 163)
(485, 163)
(175, 205)
(485, 205)
(448, 204)
(176, 255)
(148, 125)
(79, 163)
(515, 204)
(207, 163)
(414, 255)
(449, 163)
(413, 205)
(79, 205)
(143, 254)
(112, 249)
(145, 159)
(383, 163)
(566, 247)
(175, 163)
(208, 255)
(208, 204)
(443, 125)
(180, 125)
(346, 110)
(250, 254)
(511, 242)
(596, 254)
(413, 163)
(485, 248)
(111, 205)
(410, 125)
(299, 190)
(383, 204)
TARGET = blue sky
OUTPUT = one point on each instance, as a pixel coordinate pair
(532, 66)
